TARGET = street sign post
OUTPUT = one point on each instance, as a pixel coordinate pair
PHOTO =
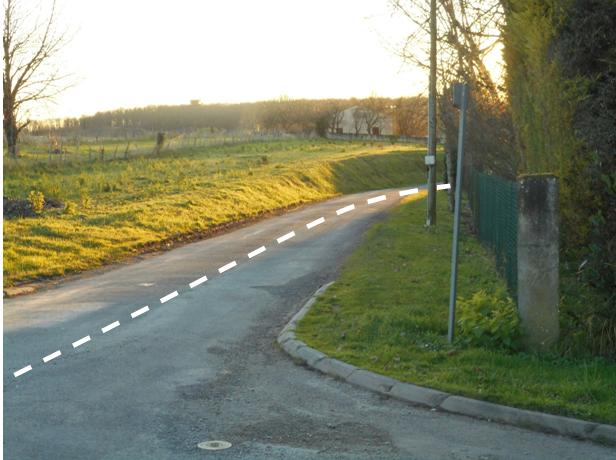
(460, 101)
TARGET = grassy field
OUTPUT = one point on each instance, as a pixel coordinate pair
(119, 208)
(393, 321)
(84, 149)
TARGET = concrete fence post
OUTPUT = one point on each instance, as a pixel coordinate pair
(538, 235)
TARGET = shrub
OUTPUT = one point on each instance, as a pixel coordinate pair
(70, 208)
(490, 321)
(37, 201)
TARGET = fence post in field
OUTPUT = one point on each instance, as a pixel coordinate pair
(538, 263)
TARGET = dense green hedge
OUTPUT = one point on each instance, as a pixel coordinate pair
(561, 71)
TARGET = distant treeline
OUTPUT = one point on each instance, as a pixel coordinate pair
(408, 117)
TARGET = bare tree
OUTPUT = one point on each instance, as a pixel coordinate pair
(411, 116)
(358, 119)
(374, 109)
(29, 74)
(468, 31)
(336, 115)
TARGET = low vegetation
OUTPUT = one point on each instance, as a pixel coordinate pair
(115, 209)
(393, 321)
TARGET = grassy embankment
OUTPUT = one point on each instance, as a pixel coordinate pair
(120, 208)
(393, 321)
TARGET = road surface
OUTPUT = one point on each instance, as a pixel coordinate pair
(205, 366)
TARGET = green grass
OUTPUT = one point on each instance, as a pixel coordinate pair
(83, 149)
(123, 207)
(388, 313)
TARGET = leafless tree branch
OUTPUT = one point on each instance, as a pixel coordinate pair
(29, 74)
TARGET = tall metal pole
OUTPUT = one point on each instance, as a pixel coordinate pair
(460, 101)
(431, 157)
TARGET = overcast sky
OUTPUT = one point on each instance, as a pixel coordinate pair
(128, 53)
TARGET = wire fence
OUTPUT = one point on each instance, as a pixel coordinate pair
(494, 204)
(60, 150)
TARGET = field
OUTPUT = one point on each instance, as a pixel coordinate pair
(73, 148)
(393, 321)
(118, 208)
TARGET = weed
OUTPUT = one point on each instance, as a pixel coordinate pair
(489, 320)
(37, 201)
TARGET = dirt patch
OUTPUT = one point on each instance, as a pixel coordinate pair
(294, 430)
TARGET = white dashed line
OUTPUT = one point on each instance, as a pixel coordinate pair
(443, 186)
(22, 371)
(410, 191)
(198, 281)
(110, 327)
(222, 269)
(81, 341)
(229, 266)
(376, 199)
(140, 312)
(256, 252)
(169, 297)
(314, 223)
(345, 209)
(286, 237)
(54, 355)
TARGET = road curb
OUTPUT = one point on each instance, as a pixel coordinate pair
(435, 399)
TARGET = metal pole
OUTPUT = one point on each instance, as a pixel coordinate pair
(462, 92)
(431, 157)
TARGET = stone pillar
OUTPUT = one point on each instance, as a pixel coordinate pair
(538, 295)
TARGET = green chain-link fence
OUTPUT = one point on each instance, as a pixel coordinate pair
(494, 203)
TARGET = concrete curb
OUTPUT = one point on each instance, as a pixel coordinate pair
(435, 399)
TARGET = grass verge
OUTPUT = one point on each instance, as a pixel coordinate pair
(388, 313)
(121, 208)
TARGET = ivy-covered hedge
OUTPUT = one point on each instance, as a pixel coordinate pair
(561, 71)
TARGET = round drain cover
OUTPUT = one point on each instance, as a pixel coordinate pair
(214, 445)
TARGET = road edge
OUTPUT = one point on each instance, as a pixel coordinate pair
(152, 249)
(435, 399)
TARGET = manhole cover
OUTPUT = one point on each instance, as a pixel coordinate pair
(214, 445)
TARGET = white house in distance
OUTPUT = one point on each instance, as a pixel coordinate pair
(356, 120)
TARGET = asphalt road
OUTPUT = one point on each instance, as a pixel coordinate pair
(205, 365)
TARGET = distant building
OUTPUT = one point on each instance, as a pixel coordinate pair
(354, 121)
(195, 102)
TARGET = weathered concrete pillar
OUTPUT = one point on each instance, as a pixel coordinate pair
(538, 294)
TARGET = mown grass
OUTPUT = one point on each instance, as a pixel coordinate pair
(118, 208)
(388, 313)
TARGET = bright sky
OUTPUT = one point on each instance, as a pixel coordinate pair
(141, 52)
